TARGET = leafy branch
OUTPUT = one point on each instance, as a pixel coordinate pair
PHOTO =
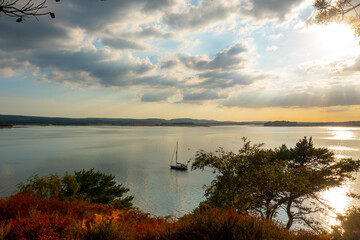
(338, 11)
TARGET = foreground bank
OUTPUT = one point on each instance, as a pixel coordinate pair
(24, 216)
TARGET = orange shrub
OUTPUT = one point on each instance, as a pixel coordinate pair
(30, 217)
(215, 223)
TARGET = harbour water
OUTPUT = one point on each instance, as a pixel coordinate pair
(139, 157)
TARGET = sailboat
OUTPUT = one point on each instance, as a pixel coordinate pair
(178, 165)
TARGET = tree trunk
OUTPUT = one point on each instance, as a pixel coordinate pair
(290, 215)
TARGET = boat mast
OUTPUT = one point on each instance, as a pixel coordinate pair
(176, 152)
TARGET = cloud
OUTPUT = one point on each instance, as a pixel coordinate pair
(274, 9)
(150, 32)
(271, 48)
(337, 109)
(330, 66)
(203, 96)
(354, 67)
(276, 36)
(215, 79)
(332, 96)
(157, 96)
(107, 44)
(204, 14)
(95, 15)
(233, 56)
(27, 36)
(120, 43)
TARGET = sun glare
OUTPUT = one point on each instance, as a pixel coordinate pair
(337, 198)
(335, 40)
(341, 133)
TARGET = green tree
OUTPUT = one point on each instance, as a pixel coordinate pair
(98, 187)
(338, 11)
(92, 186)
(51, 186)
(261, 181)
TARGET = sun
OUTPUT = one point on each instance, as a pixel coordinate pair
(334, 41)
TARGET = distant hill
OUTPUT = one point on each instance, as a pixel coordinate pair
(312, 124)
(34, 120)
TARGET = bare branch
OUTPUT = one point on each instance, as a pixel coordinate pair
(12, 8)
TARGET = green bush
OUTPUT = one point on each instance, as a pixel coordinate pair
(89, 185)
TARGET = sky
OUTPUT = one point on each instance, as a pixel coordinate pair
(238, 60)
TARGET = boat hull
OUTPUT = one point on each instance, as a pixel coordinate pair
(179, 167)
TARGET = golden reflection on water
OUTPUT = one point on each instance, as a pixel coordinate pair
(337, 199)
(341, 133)
(341, 148)
(340, 156)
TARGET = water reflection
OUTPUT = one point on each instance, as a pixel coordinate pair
(341, 148)
(340, 156)
(337, 199)
(139, 157)
(341, 133)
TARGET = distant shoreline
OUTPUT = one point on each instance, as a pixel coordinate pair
(9, 121)
(312, 124)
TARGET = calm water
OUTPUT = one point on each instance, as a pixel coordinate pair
(139, 157)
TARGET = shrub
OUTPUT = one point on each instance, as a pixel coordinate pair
(212, 223)
(92, 186)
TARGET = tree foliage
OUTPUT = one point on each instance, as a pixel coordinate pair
(89, 185)
(263, 181)
(338, 11)
(98, 187)
(349, 227)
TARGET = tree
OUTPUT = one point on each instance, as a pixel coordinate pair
(51, 186)
(349, 227)
(338, 11)
(92, 186)
(98, 187)
(262, 181)
(23, 9)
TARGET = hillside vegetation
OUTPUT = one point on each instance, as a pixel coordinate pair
(25, 216)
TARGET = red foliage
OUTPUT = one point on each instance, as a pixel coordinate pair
(29, 217)
(41, 227)
(19, 205)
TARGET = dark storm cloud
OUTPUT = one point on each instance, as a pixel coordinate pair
(334, 96)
